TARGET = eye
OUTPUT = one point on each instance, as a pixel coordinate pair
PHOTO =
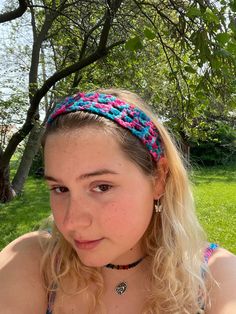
(59, 189)
(102, 188)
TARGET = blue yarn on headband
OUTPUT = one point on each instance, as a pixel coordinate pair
(124, 114)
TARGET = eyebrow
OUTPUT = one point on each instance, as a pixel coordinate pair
(84, 176)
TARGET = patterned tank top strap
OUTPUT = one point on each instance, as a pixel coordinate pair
(51, 299)
(209, 251)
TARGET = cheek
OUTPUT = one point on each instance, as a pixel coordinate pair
(127, 219)
(112, 215)
(57, 211)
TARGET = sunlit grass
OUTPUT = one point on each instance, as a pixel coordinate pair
(24, 213)
(215, 195)
(214, 190)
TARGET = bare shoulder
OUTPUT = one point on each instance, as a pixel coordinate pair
(31, 239)
(223, 293)
(21, 285)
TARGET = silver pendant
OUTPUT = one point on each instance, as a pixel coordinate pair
(121, 287)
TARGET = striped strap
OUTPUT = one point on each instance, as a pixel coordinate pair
(209, 251)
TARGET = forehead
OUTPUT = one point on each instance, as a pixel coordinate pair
(70, 155)
(87, 145)
(89, 134)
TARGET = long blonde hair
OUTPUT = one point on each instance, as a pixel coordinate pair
(174, 240)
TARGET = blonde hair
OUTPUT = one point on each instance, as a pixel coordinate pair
(174, 240)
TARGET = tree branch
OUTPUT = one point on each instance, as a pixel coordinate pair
(35, 100)
(38, 39)
(8, 16)
(112, 8)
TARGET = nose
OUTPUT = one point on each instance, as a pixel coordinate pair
(77, 215)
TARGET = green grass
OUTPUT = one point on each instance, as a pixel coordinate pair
(214, 190)
(24, 213)
(215, 197)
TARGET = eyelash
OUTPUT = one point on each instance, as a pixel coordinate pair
(108, 186)
(104, 185)
(54, 189)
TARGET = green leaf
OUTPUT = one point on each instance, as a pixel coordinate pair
(211, 17)
(149, 34)
(194, 12)
(232, 25)
(189, 69)
(222, 38)
(231, 47)
(233, 5)
(201, 42)
(216, 64)
(200, 94)
(134, 44)
(222, 53)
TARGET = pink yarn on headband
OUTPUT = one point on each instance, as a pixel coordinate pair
(111, 107)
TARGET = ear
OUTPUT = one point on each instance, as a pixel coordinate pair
(160, 178)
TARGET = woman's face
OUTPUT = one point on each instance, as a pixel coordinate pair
(101, 201)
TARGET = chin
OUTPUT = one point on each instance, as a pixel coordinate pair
(93, 262)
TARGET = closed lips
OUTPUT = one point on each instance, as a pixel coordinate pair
(86, 241)
(88, 244)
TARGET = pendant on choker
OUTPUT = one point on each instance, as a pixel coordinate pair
(121, 287)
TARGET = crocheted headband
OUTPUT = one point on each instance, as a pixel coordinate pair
(110, 107)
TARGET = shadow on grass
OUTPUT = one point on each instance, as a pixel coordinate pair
(218, 175)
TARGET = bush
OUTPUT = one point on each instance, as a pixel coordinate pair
(220, 149)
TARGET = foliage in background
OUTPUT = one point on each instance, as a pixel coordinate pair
(11, 115)
(217, 149)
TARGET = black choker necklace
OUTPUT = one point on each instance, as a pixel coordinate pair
(128, 266)
(122, 286)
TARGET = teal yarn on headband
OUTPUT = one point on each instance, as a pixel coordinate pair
(126, 115)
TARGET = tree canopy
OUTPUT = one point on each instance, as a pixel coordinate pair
(180, 55)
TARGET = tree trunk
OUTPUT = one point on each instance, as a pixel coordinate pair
(6, 192)
(186, 151)
(30, 151)
(185, 147)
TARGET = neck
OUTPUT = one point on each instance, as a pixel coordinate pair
(111, 276)
(125, 266)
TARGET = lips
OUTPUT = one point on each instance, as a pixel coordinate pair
(87, 244)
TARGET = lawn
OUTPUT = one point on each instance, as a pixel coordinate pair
(214, 190)
(24, 213)
(215, 197)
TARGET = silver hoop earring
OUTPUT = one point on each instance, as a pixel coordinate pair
(157, 206)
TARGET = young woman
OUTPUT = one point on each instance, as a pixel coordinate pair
(124, 236)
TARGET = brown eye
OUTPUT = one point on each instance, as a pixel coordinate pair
(103, 188)
(59, 189)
